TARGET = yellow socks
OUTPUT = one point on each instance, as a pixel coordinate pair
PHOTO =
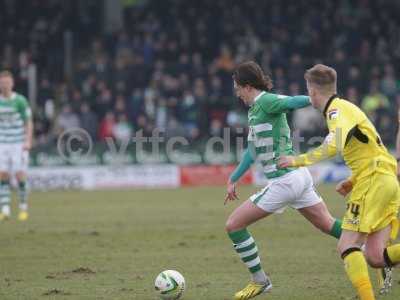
(357, 271)
(392, 255)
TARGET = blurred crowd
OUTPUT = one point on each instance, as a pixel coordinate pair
(170, 66)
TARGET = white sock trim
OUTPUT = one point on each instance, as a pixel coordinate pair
(5, 209)
(246, 243)
(253, 262)
(248, 253)
(23, 206)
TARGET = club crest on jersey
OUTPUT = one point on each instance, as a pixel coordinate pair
(333, 114)
(254, 109)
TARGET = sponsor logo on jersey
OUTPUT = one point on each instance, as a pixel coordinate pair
(353, 221)
(333, 114)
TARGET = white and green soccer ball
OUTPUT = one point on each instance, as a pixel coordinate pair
(170, 285)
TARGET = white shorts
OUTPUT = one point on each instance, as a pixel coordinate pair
(13, 158)
(294, 189)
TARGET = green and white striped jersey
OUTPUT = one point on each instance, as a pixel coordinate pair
(14, 112)
(269, 132)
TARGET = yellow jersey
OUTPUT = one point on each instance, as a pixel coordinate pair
(353, 135)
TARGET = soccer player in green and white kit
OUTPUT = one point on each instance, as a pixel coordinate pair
(15, 142)
(269, 137)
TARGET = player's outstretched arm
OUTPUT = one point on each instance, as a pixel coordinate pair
(327, 149)
(243, 166)
(275, 104)
(296, 102)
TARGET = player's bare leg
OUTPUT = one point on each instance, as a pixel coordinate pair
(236, 226)
(245, 215)
(375, 247)
(5, 196)
(321, 218)
(355, 263)
(22, 195)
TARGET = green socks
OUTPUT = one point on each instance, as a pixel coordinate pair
(336, 230)
(245, 246)
(23, 196)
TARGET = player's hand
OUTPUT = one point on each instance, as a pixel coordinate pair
(344, 187)
(285, 161)
(27, 146)
(230, 192)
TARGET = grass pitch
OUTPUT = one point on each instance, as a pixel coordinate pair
(111, 245)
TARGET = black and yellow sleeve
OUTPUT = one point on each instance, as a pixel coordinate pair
(340, 123)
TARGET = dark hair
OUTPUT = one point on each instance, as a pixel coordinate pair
(323, 76)
(250, 73)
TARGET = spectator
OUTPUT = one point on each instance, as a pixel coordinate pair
(162, 115)
(352, 95)
(388, 83)
(216, 128)
(76, 100)
(45, 91)
(106, 128)
(179, 50)
(104, 99)
(374, 100)
(173, 129)
(88, 120)
(122, 129)
(67, 119)
(188, 111)
(296, 69)
(354, 79)
(120, 106)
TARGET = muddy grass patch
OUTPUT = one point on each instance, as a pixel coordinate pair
(68, 274)
(54, 292)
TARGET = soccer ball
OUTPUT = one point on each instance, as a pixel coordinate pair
(170, 285)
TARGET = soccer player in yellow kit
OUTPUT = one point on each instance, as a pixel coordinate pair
(372, 208)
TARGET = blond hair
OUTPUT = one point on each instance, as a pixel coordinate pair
(6, 73)
(323, 77)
